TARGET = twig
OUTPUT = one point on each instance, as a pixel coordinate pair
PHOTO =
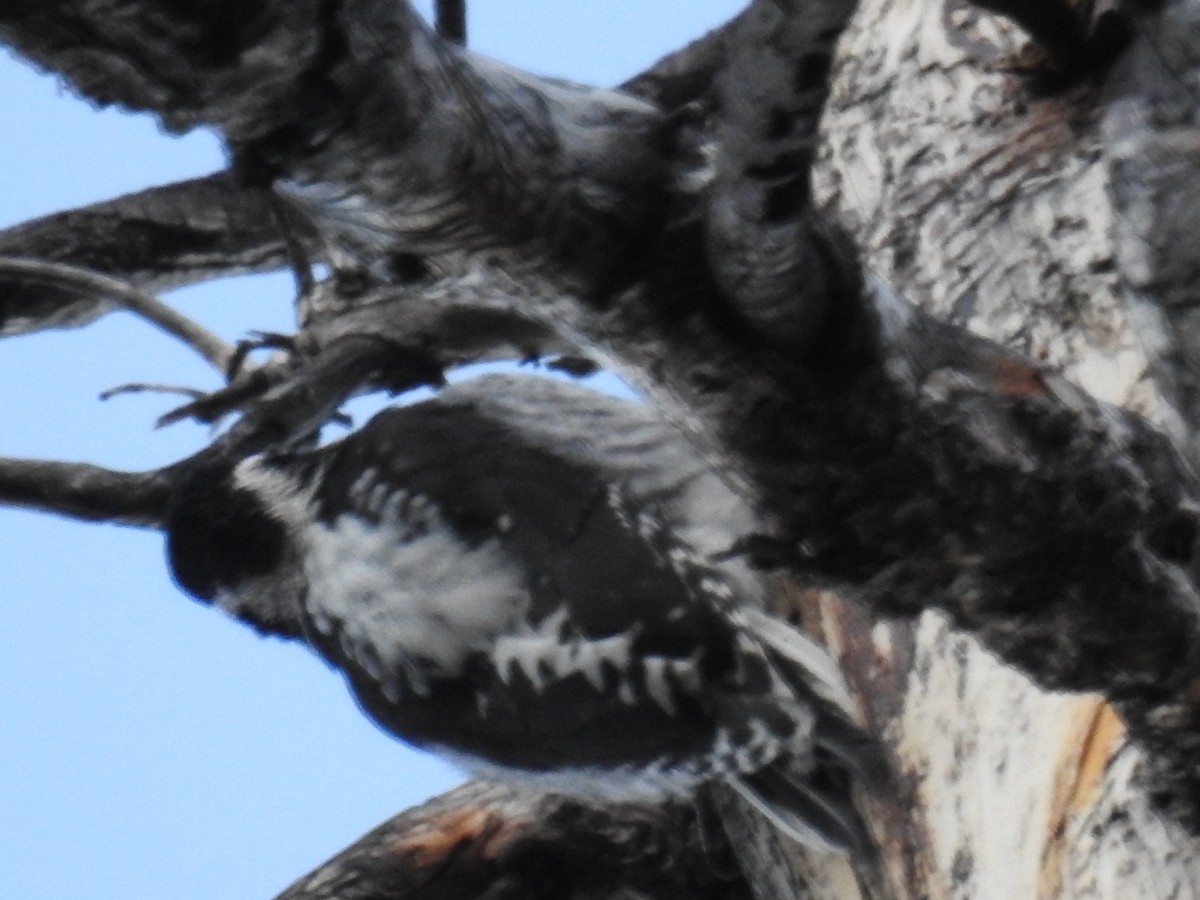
(209, 408)
(217, 351)
(297, 256)
(451, 20)
(139, 387)
(218, 227)
(258, 340)
(285, 405)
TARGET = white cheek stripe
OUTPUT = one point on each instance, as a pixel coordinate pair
(286, 497)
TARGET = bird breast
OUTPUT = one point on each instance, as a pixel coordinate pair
(410, 602)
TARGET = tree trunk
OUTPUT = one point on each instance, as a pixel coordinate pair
(1057, 226)
(970, 535)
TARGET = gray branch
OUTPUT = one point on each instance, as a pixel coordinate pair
(84, 491)
(161, 238)
(216, 351)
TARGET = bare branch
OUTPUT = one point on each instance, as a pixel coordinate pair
(451, 22)
(547, 171)
(141, 387)
(391, 339)
(85, 491)
(160, 238)
(218, 352)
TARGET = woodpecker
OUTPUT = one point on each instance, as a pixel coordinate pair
(533, 580)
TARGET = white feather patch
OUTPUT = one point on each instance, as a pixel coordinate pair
(403, 595)
(284, 496)
(544, 652)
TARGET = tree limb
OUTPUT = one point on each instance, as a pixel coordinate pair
(216, 351)
(391, 339)
(903, 460)
(86, 492)
(213, 226)
(493, 840)
(451, 21)
(548, 171)
(164, 237)
(783, 265)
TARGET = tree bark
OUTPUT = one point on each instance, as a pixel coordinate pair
(1020, 536)
(156, 239)
(491, 840)
(1046, 224)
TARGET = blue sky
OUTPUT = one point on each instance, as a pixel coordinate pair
(149, 747)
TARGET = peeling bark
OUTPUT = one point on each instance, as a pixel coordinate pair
(1025, 537)
(1008, 213)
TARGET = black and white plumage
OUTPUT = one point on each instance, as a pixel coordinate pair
(529, 577)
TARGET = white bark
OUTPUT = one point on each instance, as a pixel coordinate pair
(1062, 227)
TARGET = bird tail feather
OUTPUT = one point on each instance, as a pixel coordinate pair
(810, 671)
(805, 660)
(823, 818)
(812, 798)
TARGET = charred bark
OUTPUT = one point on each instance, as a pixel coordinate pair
(488, 840)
